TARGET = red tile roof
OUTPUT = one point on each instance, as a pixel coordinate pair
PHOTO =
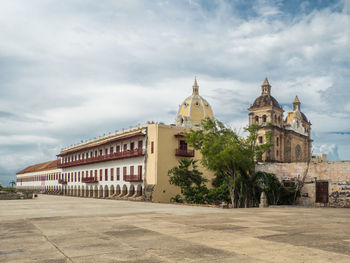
(40, 167)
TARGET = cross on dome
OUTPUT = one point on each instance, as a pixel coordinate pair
(195, 87)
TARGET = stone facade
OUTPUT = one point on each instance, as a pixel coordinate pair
(290, 136)
(335, 176)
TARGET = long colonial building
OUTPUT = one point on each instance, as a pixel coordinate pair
(131, 164)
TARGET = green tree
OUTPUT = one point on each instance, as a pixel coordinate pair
(190, 180)
(255, 152)
(13, 183)
(231, 157)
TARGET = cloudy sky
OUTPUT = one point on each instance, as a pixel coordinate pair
(73, 70)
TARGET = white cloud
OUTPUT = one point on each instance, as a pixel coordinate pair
(330, 149)
(72, 70)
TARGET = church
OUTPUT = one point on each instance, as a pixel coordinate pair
(133, 163)
(290, 136)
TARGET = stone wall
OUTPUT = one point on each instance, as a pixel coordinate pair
(337, 174)
(16, 195)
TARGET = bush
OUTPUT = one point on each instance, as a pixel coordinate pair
(276, 192)
(176, 199)
(8, 189)
(287, 195)
(219, 194)
(190, 180)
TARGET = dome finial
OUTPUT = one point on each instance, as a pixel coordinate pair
(266, 82)
(296, 104)
(266, 88)
(195, 87)
(296, 100)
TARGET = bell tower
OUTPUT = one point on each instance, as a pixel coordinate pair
(268, 115)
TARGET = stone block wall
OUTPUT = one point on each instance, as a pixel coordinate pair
(337, 174)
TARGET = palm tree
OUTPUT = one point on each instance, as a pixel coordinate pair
(12, 183)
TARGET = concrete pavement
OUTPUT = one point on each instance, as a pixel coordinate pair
(71, 229)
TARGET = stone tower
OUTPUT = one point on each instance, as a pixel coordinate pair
(268, 115)
(298, 142)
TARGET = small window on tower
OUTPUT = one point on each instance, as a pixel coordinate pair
(260, 138)
(197, 104)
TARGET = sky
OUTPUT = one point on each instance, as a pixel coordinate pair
(74, 70)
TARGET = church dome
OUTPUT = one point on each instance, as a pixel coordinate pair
(194, 109)
(265, 99)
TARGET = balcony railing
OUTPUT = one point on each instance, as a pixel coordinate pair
(103, 158)
(184, 153)
(89, 180)
(62, 181)
(133, 178)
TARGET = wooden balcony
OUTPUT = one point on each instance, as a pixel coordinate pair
(89, 180)
(184, 153)
(133, 178)
(62, 181)
(104, 158)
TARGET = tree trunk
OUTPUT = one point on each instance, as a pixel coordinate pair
(300, 183)
(232, 195)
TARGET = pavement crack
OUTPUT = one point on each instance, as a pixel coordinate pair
(52, 243)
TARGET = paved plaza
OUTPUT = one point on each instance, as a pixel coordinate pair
(71, 229)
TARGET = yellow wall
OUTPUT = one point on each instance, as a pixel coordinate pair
(163, 159)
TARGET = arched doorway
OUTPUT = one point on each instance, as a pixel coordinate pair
(91, 191)
(111, 190)
(100, 192)
(139, 190)
(106, 192)
(125, 190)
(131, 190)
(95, 191)
(117, 190)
